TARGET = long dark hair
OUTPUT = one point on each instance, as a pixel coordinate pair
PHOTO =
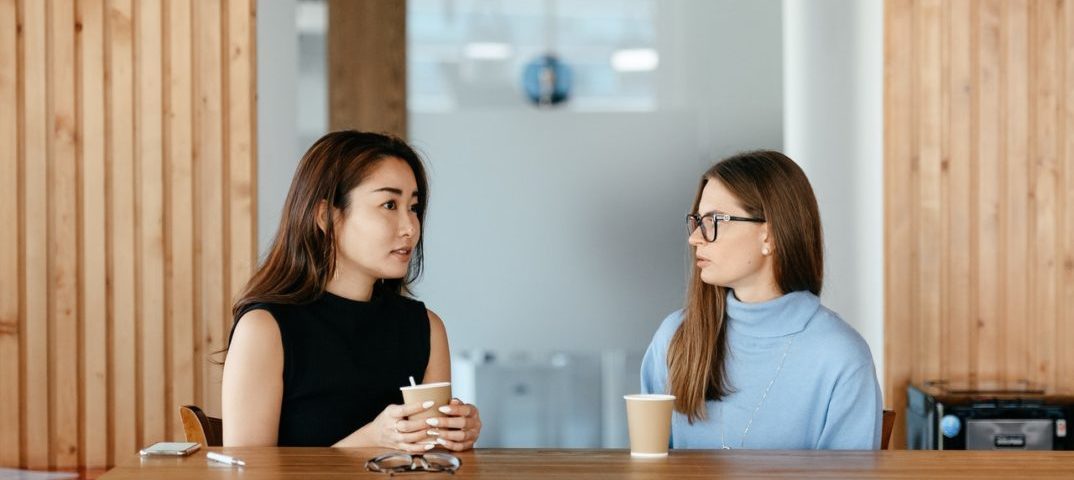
(303, 256)
(771, 186)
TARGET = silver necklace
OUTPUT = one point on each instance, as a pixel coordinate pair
(746, 431)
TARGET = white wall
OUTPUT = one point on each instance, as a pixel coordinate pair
(560, 230)
(833, 126)
(278, 150)
(551, 231)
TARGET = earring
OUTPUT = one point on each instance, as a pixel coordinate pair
(765, 251)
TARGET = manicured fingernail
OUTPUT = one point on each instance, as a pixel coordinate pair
(432, 432)
(430, 446)
(445, 409)
(428, 404)
(441, 441)
(432, 421)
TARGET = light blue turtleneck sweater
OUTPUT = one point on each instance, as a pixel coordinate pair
(825, 397)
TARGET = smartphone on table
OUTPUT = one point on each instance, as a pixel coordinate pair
(171, 449)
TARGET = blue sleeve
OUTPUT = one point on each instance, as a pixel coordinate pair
(650, 365)
(654, 365)
(853, 420)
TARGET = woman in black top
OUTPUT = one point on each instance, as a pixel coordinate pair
(325, 332)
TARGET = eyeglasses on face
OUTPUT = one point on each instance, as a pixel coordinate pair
(709, 223)
(399, 462)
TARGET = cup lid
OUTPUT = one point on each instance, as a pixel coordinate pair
(649, 396)
(426, 385)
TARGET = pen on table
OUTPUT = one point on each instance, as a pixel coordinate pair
(219, 457)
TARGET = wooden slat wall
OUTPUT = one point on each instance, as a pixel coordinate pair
(10, 284)
(979, 189)
(127, 218)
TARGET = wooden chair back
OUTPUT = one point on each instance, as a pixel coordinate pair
(889, 423)
(201, 428)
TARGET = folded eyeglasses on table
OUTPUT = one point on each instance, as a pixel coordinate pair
(401, 462)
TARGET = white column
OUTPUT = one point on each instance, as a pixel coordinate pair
(833, 127)
(277, 132)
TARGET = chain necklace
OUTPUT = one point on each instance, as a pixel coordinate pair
(746, 431)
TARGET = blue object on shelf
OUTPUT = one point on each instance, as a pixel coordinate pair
(547, 80)
(950, 425)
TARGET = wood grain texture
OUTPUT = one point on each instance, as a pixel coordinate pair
(123, 360)
(367, 65)
(35, 128)
(1066, 277)
(242, 174)
(93, 251)
(179, 158)
(899, 251)
(62, 237)
(977, 191)
(1042, 173)
(10, 327)
(210, 168)
(984, 336)
(149, 243)
(274, 463)
(100, 325)
(1016, 119)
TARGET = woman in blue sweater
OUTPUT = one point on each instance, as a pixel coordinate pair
(754, 360)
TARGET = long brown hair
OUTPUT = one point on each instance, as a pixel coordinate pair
(771, 186)
(303, 256)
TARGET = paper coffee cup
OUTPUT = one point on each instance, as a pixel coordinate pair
(649, 423)
(439, 393)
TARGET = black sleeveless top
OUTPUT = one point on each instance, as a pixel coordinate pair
(344, 361)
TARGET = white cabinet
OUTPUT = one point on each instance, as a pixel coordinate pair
(559, 400)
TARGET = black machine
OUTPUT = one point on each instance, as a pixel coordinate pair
(949, 415)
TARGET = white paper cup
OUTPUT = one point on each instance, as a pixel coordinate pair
(649, 424)
(439, 393)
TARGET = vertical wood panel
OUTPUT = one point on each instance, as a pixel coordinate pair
(63, 238)
(10, 409)
(241, 176)
(93, 252)
(960, 244)
(180, 239)
(1057, 340)
(209, 197)
(367, 66)
(985, 337)
(121, 215)
(35, 227)
(1016, 118)
(930, 224)
(1043, 185)
(991, 263)
(898, 150)
(944, 247)
(150, 240)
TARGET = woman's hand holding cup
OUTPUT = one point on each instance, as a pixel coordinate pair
(392, 429)
(457, 427)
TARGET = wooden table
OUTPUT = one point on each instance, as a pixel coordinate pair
(309, 463)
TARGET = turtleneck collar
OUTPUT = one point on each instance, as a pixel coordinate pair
(781, 316)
